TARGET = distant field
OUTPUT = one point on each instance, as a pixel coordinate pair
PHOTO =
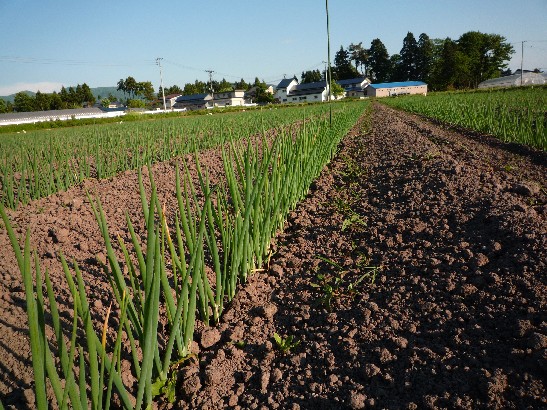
(512, 115)
(38, 163)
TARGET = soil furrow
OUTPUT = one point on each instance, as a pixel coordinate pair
(455, 317)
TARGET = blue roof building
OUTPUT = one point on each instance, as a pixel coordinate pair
(396, 88)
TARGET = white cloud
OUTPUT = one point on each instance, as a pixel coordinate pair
(43, 87)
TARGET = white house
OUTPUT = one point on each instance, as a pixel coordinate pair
(289, 91)
(284, 88)
(355, 87)
(229, 98)
(397, 88)
(170, 100)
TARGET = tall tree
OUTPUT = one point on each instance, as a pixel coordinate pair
(131, 86)
(42, 102)
(86, 95)
(22, 102)
(343, 69)
(311, 76)
(379, 63)
(409, 55)
(55, 102)
(425, 58)
(396, 71)
(145, 89)
(198, 87)
(487, 55)
(359, 55)
(3, 106)
(224, 86)
(262, 95)
(121, 86)
(450, 67)
(241, 85)
(174, 89)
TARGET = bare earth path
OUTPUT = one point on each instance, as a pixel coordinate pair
(456, 227)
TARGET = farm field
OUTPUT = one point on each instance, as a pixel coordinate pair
(412, 276)
(512, 115)
(40, 163)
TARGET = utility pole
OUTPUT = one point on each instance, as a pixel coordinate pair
(521, 59)
(329, 77)
(211, 84)
(158, 62)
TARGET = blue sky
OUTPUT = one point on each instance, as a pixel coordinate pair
(46, 44)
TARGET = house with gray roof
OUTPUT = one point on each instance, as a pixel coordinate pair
(283, 89)
(234, 98)
(289, 91)
(355, 87)
(194, 101)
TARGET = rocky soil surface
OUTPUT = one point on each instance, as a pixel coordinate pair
(412, 276)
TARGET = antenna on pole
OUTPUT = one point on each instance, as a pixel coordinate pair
(211, 84)
(158, 62)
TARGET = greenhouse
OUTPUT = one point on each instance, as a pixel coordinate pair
(515, 80)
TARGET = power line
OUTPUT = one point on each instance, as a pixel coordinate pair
(52, 61)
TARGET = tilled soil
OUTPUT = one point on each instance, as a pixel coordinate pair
(451, 227)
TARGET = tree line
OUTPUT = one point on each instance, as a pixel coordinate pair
(443, 64)
(137, 94)
(73, 97)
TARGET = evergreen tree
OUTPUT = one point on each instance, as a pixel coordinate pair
(22, 102)
(86, 96)
(343, 69)
(425, 58)
(55, 102)
(3, 106)
(406, 70)
(379, 62)
(311, 76)
(42, 102)
(241, 85)
(396, 70)
(198, 87)
(450, 68)
(224, 86)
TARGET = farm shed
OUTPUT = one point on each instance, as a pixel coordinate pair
(397, 88)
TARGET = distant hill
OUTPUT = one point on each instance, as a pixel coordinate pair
(102, 92)
(9, 98)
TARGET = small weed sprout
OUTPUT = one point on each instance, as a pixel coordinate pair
(336, 285)
(287, 344)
